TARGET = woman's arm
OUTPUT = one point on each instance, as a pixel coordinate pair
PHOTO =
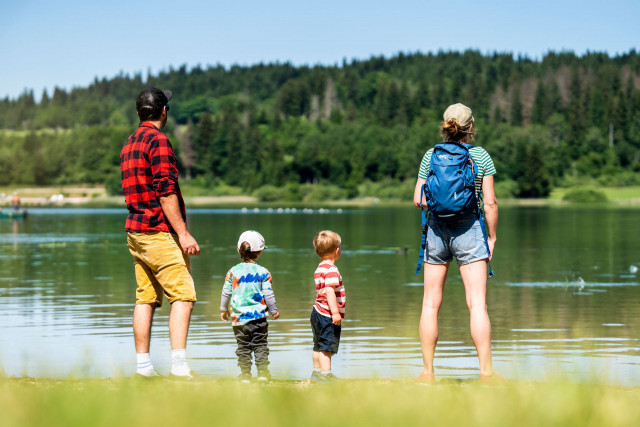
(417, 194)
(490, 211)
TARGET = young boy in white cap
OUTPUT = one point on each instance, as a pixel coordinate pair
(247, 297)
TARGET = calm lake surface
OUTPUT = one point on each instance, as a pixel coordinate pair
(565, 299)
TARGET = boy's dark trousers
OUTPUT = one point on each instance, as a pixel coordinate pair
(252, 337)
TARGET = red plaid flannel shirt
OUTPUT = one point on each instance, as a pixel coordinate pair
(149, 171)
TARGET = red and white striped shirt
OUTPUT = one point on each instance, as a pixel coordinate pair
(327, 275)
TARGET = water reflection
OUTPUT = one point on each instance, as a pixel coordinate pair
(559, 303)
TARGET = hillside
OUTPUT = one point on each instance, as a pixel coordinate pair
(268, 128)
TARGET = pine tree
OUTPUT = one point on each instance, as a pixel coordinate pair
(538, 114)
(203, 145)
(534, 181)
(577, 116)
(516, 108)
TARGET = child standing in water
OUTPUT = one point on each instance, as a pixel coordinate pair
(247, 296)
(328, 310)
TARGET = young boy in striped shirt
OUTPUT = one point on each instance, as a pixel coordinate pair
(328, 310)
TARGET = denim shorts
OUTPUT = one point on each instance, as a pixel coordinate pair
(326, 335)
(462, 239)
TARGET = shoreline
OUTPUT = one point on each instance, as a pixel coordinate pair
(96, 197)
(252, 202)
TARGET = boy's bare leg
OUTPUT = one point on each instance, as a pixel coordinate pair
(316, 360)
(142, 318)
(434, 278)
(474, 277)
(325, 360)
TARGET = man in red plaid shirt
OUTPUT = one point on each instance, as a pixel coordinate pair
(157, 234)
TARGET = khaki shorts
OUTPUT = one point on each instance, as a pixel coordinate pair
(161, 267)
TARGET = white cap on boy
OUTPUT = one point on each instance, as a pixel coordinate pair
(255, 240)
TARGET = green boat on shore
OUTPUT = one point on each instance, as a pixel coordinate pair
(11, 214)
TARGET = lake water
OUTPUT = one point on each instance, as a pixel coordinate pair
(565, 299)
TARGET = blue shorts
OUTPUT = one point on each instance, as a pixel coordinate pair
(462, 239)
(326, 335)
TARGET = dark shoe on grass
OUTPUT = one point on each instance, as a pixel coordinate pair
(315, 376)
(327, 379)
(264, 375)
(245, 378)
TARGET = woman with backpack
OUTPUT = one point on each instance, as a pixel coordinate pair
(454, 177)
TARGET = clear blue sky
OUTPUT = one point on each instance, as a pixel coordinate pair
(44, 43)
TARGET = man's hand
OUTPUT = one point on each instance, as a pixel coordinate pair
(189, 244)
(336, 319)
(224, 315)
(274, 316)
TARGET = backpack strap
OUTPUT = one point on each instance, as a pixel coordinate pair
(481, 212)
(484, 234)
(423, 243)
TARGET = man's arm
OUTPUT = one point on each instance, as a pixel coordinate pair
(171, 209)
(165, 178)
(490, 211)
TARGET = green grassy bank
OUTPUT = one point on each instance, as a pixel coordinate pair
(124, 402)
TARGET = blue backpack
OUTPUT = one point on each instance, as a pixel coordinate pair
(450, 190)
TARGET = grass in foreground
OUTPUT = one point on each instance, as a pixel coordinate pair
(36, 402)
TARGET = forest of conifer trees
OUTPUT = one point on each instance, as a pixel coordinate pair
(563, 120)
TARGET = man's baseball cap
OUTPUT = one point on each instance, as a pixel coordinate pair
(461, 113)
(152, 98)
(255, 240)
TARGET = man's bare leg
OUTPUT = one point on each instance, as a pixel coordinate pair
(142, 319)
(178, 330)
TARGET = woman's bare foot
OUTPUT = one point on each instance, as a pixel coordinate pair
(426, 377)
(492, 379)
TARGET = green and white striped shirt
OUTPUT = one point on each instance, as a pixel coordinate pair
(478, 154)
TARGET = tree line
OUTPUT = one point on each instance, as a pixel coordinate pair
(558, 121)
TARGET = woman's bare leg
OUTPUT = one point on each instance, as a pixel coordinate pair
(434, 278)
(474, 277)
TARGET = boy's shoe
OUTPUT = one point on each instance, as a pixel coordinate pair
(315, 376)
(264, 375)
(245, 378)
(327, 379)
